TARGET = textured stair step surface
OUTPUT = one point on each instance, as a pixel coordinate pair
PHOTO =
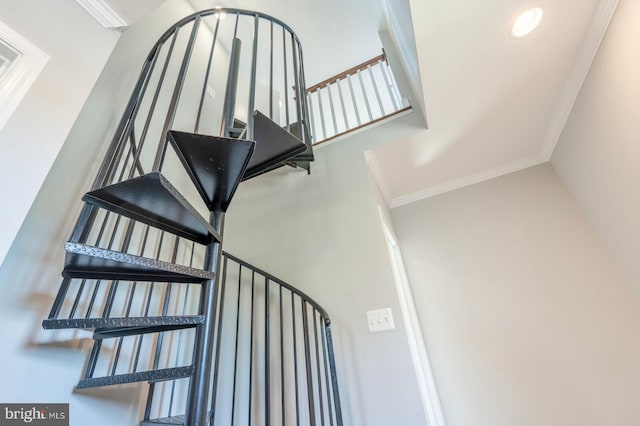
(83, 261)
(105, 324)
(161, 375)
(151, 199)
(173, 420)
(110, 333)
(214, 164)
(274, 146)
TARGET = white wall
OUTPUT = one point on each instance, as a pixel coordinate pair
(35, 365)
(598, 155)
(322, 234)
(30, 141)
(526, 318)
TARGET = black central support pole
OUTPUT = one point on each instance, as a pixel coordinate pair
(198, 401)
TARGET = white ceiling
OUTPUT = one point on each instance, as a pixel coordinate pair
(494, 104)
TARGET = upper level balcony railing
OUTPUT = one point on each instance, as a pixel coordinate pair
(355, 98)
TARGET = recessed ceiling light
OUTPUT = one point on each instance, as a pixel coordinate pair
(526, 22)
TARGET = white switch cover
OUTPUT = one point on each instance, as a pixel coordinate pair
(380, 320)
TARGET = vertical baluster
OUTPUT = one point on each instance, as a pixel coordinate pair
(392, 96)
(271, 71)
(364, 95)
(147, 305)
(307, 358)
(252, 87)
(206, 75)
(321, 108)
(216, 366)
(76, 301)
(318, 374)
(253, 293)
(376, 91)
(165, 306)
(297, 88)
(286, 78)
(353, 99)
(231, 89)
(282, 385)
(334, 377)
(295, 360)
(147, 409)
(154, 101)
(303, 97)
(344, 109)
(312, 121)
(178, 346)
(267, 350)
(235, 362)
(175, 97)
(332, 109)
(323, 337)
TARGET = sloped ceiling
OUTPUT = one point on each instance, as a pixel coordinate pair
(494, 104)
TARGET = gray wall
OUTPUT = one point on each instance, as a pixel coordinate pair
(598, 155)
(527, 319)
(44, 366)
(78, 48)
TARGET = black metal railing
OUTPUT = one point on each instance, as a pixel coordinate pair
(274, 360)
(197, 79)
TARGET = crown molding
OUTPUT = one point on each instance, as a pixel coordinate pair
(468, 180)
(103, 13)
(596, 31)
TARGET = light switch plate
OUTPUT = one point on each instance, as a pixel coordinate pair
(380, 320)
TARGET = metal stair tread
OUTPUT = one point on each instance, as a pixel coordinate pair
(274, 146)
(214, 164)
(84, 261)
(151, 199)
(160, 375)
(119, 326)
(171, 420)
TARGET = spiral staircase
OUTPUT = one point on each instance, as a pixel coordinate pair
(218, 341)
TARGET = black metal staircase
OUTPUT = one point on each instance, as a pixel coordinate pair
(144, 267)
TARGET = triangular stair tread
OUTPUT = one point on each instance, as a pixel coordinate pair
(83, 261)
(161, 375)
(274, 145)
(120, 323)
(151, 199)
(214, 164)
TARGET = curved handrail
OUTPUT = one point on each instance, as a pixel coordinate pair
(281, 283)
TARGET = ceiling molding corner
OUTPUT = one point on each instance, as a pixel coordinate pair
(468, 180)
(596, 31)
(378, 178)
(103, 13)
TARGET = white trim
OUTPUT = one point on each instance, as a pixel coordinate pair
(431, 404)
(374, 169)
(16, 82)
(467, 180)
(103, 13)
(596, 31)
